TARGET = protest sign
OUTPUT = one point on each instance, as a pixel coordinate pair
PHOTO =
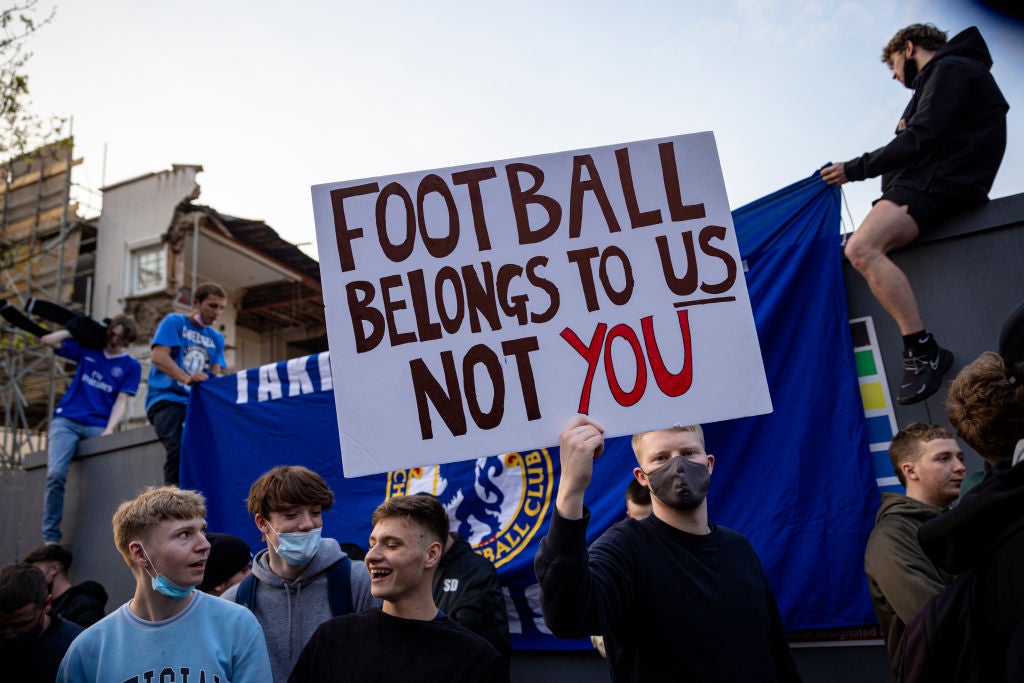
(474, 310)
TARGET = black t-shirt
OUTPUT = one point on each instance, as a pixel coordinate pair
(376, 647)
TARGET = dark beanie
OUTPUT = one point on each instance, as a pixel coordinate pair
(228, 555)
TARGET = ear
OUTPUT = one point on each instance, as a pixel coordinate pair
(711, 463)
(48, 605)
(261, 524)
(137, 555)
(433, 554)
(909, 471)
(52, 569)
(640, 476)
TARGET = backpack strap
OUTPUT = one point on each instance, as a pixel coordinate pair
(339, 587)
(246, 594)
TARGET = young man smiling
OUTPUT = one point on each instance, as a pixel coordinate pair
(408, 638)
(675, 595)
(169, 631)
(929, 463)
(301, 579)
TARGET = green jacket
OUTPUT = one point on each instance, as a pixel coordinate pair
(901, 577)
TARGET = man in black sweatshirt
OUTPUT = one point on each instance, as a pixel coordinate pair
(676, 596)
(948, 146)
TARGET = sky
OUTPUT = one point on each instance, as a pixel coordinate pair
(271, 98)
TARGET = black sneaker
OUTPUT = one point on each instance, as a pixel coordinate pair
(922, 375)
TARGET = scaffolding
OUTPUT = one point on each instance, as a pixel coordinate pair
(46, 251)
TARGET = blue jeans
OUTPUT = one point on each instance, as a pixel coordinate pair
(64, 437)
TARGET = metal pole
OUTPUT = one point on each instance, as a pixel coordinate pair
(195, 254)
(59, 298)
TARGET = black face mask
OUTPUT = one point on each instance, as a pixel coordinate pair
(909, 72)
(680, 483)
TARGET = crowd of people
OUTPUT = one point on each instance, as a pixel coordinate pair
(666, 592)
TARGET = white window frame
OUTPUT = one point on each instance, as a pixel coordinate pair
(134, 255)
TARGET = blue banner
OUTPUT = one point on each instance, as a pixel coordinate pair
(797, 483)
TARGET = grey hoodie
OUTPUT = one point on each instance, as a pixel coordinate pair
(289, 612)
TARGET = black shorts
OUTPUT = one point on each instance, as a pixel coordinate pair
(928, 209)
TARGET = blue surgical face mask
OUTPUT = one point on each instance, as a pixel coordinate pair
(161, 584)
(299, 547)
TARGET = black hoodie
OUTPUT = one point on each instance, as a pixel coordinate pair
(82, 604)
(984, 534)
(951, 137)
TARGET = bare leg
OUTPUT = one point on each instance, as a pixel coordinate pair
(887, 226)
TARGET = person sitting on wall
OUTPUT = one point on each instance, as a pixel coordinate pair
(186, 350)
(95, 403)
(948, 145)
(83, 329)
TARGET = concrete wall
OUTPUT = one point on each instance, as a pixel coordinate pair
(967, 276)
(106, 471)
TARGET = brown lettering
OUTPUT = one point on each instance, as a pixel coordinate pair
(521, 198)
(472, 179)
(343, 233)
(576, 194)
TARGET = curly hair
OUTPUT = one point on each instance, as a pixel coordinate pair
(21, 584)
(925, 36)
(986, 408)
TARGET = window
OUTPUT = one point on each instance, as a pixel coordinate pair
(149, 269)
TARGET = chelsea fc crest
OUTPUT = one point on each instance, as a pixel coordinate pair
(496, 504)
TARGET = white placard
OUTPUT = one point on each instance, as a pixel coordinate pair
(473, 311)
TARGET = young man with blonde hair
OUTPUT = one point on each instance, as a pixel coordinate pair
(301, 579)
(408, 638)
(168, 631)
(673, 593)
(929, 463)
